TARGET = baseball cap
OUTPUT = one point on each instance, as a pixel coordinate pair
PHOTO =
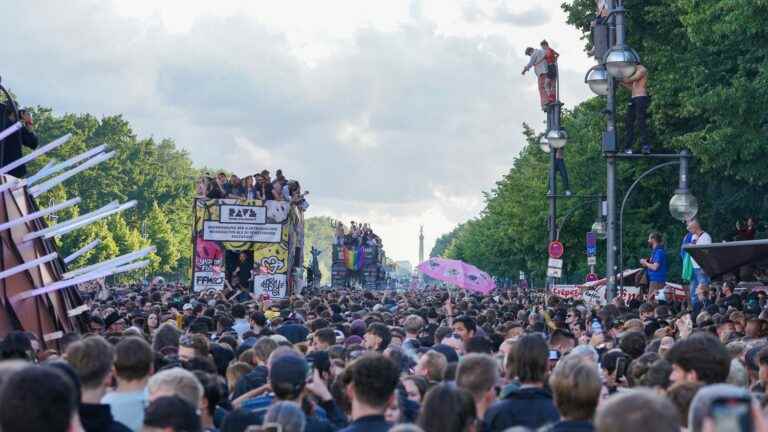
(353, 340)
(288, 371)
(187, 306)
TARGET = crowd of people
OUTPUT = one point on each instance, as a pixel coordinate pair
(358, 234)
(258, 186)
(159, 357)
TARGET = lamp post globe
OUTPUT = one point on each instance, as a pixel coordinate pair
(600, 230)
(621, 62)
(557, 138)
(544, 144)
(683, 206)
(597, 80)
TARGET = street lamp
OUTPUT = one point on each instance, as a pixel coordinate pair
(544, 144)
(597, 80)
(683, 206)
(621, 62)
(599, 229)
(557, 138)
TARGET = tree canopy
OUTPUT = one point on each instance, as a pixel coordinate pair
(155, 173)
(707, 80)
(319, 233)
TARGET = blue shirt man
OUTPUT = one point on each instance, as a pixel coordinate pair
(656, 265)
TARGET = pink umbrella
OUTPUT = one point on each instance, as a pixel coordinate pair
(458, 273)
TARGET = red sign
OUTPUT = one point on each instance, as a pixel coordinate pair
(556, 249)
(566, 291)
(592, 277)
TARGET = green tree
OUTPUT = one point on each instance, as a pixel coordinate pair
(445, 241)
(146, 170)
(319, 233)
(161, 236)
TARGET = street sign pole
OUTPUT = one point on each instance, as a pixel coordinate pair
(591, 256)
(555, 263)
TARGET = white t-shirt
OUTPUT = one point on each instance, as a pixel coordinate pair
(128, 408)
(701, 239)
(538, 62)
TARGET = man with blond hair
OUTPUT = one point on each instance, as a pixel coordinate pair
(176, 382)
(431, 366)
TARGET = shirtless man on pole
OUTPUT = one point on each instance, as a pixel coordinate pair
(637, 112)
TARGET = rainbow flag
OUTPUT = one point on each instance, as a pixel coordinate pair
(354, 259)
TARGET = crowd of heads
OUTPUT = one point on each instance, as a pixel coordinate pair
(162, 358)
(357, 234)
(260, 186)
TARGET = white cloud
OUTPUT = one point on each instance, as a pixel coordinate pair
(397, 112)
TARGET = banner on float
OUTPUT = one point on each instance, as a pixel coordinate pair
(242, 232)
(240, 214)
(209, 266)
(261, 228)
(274, 285)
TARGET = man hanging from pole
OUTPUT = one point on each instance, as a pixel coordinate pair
(560, 168)
(637, 112)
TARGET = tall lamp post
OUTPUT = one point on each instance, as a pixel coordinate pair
(619, 63)
(553, 139)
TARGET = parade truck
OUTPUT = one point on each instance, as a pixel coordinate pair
(358, 266)
(249, 244)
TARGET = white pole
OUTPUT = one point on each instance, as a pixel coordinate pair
(82, 251)
(43, 187)
(33, 235)
(42, 171)
(40, 213)
(120, 260)
(9, 130)
(66, 164)
(86, 222)
(78, 280)
(28, 265)
(32, 156)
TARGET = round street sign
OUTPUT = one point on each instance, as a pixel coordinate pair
(556, 249)
(591, 277)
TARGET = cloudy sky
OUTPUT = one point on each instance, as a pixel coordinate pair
(395, 112)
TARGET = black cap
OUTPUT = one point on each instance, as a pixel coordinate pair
(449, 353)
(111, 319)
(288, 369)
(173, 412)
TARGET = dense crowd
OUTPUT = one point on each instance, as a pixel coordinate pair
(160, 358)
(358, 234)
(258, 186)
